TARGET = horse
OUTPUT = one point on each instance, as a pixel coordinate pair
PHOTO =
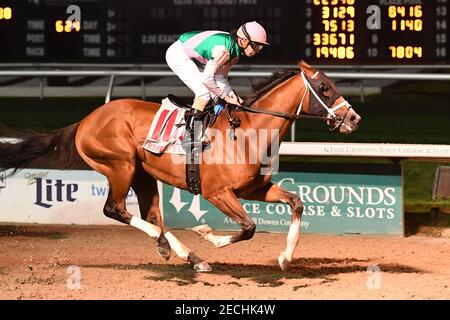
(110, 141)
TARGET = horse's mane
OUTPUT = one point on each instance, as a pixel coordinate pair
(265, 86)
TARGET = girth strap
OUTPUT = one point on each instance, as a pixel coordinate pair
(193, 177)
(193, 150)
(193, 168)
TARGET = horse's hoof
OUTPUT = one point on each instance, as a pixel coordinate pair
(202, 267)
(164, 253)
(283, 261)
(202, 230)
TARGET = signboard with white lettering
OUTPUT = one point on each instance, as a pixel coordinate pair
(57, 197)
(337, 199)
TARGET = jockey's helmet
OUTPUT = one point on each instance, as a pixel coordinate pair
(253, 32)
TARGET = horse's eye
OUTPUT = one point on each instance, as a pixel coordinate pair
(323, 88)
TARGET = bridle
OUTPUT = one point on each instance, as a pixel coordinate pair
(338, 120)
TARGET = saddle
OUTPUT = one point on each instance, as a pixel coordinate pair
(209, 115)
(169, 125)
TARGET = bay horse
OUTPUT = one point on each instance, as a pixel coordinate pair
(110, 141)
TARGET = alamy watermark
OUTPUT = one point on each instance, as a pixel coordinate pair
(74, 278)
(374, 20)
(374, 279)
(75, 14)
(243, 147)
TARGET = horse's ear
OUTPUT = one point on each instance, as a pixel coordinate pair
(306, 68)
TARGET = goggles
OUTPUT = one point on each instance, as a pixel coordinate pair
(256, 46)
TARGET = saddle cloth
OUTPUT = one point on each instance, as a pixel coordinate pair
(165, 135)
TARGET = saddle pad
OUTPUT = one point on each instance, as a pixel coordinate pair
(164, 134)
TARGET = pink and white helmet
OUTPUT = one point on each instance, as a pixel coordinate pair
(253, 31)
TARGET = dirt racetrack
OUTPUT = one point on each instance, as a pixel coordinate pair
(121, 263)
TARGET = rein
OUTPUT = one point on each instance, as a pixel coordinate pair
(290, 116)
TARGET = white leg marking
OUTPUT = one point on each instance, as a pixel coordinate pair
(180, 249)
(292, 239)
(205, 232)
(202, 230)
(219, 241)
(150, 229)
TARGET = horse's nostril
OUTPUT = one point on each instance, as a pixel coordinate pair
(353, 118)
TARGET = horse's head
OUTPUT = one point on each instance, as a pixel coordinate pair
(325, 100)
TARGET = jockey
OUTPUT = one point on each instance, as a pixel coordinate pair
(202, 60)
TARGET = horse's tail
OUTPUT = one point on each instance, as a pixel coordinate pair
(58, 145)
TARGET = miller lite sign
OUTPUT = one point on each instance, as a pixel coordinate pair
(48, 191)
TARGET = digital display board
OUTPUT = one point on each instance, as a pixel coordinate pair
(139, 31)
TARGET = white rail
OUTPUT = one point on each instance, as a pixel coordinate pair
(238, 66)
(112, 74)
(343, 149)
(239, 74)
(373, 150)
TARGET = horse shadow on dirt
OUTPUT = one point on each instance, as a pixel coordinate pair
(324, 269)
(20, 231)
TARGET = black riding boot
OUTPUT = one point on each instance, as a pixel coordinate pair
(194, 128)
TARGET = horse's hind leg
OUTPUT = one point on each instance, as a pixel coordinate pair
(146, 189)
(120, 179)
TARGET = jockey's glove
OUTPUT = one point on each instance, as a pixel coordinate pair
(233, 98)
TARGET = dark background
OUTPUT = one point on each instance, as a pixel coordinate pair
(139, 31)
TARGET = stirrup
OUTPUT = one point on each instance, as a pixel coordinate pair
(194, 124)
(188, 141)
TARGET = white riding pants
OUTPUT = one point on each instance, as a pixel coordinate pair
(187, 71)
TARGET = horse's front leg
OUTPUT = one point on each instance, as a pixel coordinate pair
(273, 193)
(226, 201)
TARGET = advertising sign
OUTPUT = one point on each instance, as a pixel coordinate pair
(337, 200)
(57, 197)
